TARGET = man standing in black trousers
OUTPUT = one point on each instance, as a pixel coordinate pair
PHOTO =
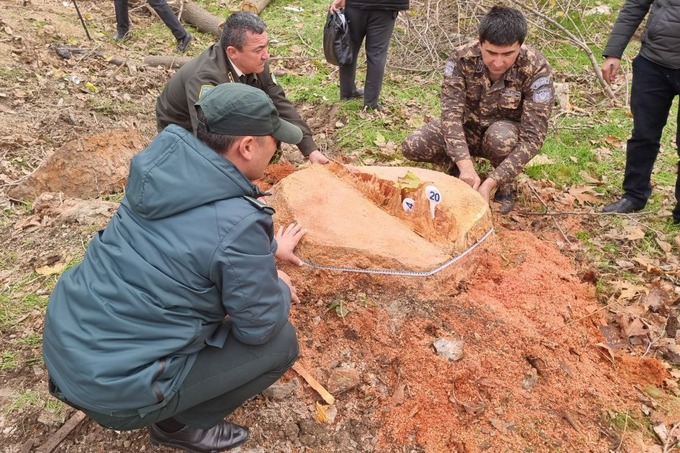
(164, 12)
(373, 20)
(656, 82)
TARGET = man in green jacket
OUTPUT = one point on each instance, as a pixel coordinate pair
(240, 57)
(177, 313)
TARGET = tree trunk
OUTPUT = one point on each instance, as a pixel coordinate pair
(200, 18)
(167, 61)
(254, 6)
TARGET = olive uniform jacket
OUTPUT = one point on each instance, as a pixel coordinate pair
(175, 105)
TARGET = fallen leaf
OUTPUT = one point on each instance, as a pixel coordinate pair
(409, 181)
(50, 270)
(322, 412)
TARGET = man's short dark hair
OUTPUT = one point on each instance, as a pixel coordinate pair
(503, 26)
(220, 143)
(236, 27)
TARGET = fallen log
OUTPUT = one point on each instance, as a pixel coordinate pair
(205, 21)
(166, 61)
(254, 6)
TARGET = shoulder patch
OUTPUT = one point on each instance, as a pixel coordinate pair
(448, 69)
(543, 95)
(204, 89)
(540, 82)
(262, 206)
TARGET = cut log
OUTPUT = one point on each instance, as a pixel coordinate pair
(167, 61)
(254, 6)
(203, 20)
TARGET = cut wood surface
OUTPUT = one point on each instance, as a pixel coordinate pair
(313, 383)
(167, 61)
(61, 433)
(254, 6)
(202, 19)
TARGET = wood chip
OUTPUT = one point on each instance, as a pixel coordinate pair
(313, 383)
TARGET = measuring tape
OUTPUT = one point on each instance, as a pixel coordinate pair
(409, 273)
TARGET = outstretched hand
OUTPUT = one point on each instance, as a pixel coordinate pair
(287, 241)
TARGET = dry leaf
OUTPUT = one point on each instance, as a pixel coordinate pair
(321, 412)
(49, 270)
(633, 233)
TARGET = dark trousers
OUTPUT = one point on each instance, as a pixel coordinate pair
(162, 9)
(219, 382)
(376, 26)
(653, 90)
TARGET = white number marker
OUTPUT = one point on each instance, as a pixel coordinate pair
(408, 204)
(434, 196)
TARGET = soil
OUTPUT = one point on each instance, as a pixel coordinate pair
(540, 369)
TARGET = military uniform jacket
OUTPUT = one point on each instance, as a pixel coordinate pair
(175, 105)
(470, 100)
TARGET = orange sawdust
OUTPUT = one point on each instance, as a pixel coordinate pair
(531, 374)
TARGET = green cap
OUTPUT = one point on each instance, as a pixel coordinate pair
(239, 109)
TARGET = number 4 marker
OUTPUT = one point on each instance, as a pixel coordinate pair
(408, 204)
(434, 196)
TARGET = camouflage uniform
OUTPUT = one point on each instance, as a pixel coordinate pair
(503, 121)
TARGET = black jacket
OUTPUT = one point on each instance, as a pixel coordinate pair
(398, 5)
(661, 38)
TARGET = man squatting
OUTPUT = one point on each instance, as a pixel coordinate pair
(496, 100)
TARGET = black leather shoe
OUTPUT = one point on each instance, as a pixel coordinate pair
(623, 206)
(505, 196)
(221, 437)
(358, 93)
(183, 43)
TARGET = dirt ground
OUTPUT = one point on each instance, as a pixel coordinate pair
(542, 367)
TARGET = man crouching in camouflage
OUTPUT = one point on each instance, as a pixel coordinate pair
(496, 100)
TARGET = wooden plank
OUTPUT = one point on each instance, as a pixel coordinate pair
(61, 433)
(313, 383)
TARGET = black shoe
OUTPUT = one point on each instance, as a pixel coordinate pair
(120, 35)
(221, 437)
(623, 206)
(358, 93)
(453, 170)
(183, 43)
(505, 196)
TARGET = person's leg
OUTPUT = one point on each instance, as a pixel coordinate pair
(379, 28)
(168, 17)
(651, 99)
(222, 379)
(426, 145)
(356, 19)
(122, 19)
(499, 140)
